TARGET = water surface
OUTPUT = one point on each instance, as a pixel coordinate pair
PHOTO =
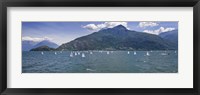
(100, 62)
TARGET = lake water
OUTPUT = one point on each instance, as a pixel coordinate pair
(100, 62)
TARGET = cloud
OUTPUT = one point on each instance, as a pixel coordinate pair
(97, 27)
(160, 30)
(92, 27)
(35, 39)
(147, 24)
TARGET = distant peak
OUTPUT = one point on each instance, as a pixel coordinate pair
(121, 27)
(46, 41)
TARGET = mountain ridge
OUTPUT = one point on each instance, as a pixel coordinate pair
(47, 43)
(118, 38)
(171, 36)
(27, 45)
(43, 48)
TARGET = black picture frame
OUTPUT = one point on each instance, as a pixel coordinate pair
(99, 3)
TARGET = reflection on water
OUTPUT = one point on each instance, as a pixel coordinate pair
(100, 62)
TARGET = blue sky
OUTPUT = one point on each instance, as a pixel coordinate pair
(62, 32)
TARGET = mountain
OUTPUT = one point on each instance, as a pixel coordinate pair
(46, 43)
(171, 36)
(118, 38)
(42, 48)
(28, 45)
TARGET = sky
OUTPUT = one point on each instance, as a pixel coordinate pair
(63, 32)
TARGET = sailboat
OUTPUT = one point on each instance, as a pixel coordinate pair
(83, 55)
(135, 53)
(75, 53)
(71, 55)
(108, 52)
(78, 53)
(148, 53)
(42, 53)
(55, 53)
(91, 53)
(164, 54)
(128, 52)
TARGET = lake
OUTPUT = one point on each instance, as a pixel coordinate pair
(99, 62)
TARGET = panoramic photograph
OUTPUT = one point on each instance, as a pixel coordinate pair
(100, 47)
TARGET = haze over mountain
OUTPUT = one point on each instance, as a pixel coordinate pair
(42, 48)
(118, 38)
(28, 45)
(46, 43)
(171, 36)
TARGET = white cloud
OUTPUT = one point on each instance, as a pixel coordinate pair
(147, 24)
(92, 27)
(35, 39)
(160, 30)
(97, 27)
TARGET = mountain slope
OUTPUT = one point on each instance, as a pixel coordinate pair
(171, 36)
(46, 43)
(27, 45)
(118, 38)
(42, 48)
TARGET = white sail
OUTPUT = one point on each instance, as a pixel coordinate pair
(78, 53)
(83, 55)
(135, 53)
(71, 54)
(108, 52)
(91, 53)
(75, 53)
(147, 53)
(163, 53)
(55, 53)
(42, 53)
(128, 52)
